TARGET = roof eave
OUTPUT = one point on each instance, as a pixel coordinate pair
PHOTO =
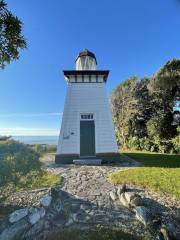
(68, 73)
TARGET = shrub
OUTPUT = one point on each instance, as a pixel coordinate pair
(16, 160)
(39, 148)
(133, 143)
(154, 145)
(176, 144)
(44, 148)
(4, 138)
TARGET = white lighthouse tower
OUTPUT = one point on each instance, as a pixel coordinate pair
(87, 131)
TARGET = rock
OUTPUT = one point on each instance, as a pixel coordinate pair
(129, 196)
(167, 234)
(113, 196)
(62, 218)
(15, 231)
(74, 217)
(85, 207)
(62, 195)
(131, 200)
(155, 225)
(36, 214)
(96, 193)
(142, 214)
(46, 201)
(54, 193)
(137, 201)
(121, 190)
(69, 222)
(34, 232)
(58, 207)
(18, 214)
(128, 199)
(123, 200)
(75, 207)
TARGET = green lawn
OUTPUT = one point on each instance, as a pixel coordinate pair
(150, 159)
(158, 172)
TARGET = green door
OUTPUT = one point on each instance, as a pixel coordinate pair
(87, 138)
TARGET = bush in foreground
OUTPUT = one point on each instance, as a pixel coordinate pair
(16, 160)
(20, 166)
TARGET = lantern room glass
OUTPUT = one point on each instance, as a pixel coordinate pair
(86, 63)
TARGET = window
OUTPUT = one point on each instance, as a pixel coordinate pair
(87, 116)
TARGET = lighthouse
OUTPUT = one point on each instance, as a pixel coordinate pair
(87, 132)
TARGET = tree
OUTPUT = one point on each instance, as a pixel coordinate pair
(131, 109)
(164, 89)
(11, 38)
(123, 108)
(167, 80)
(143, 107)
(146, 112)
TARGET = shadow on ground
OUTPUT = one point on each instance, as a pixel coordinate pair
(70, 217)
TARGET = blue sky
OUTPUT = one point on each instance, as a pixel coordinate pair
(129, 37)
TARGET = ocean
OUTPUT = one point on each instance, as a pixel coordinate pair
(51, 140)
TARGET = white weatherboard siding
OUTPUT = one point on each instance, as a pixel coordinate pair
(86, 98)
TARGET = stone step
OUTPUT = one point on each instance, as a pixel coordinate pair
(87, 161)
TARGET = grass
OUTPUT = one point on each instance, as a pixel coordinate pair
(158, 172)
(150, 159)
(43, 179)
(165, 180)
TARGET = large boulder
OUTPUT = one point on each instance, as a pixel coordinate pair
(137, 200)
(129, 196)
(18, 214)
(36, 214)
(143, 215)
(130, 199)
(45, 201)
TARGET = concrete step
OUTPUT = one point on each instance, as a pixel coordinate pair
(87, 161)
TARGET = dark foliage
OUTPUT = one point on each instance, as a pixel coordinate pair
(143, 110)
(11, 38)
